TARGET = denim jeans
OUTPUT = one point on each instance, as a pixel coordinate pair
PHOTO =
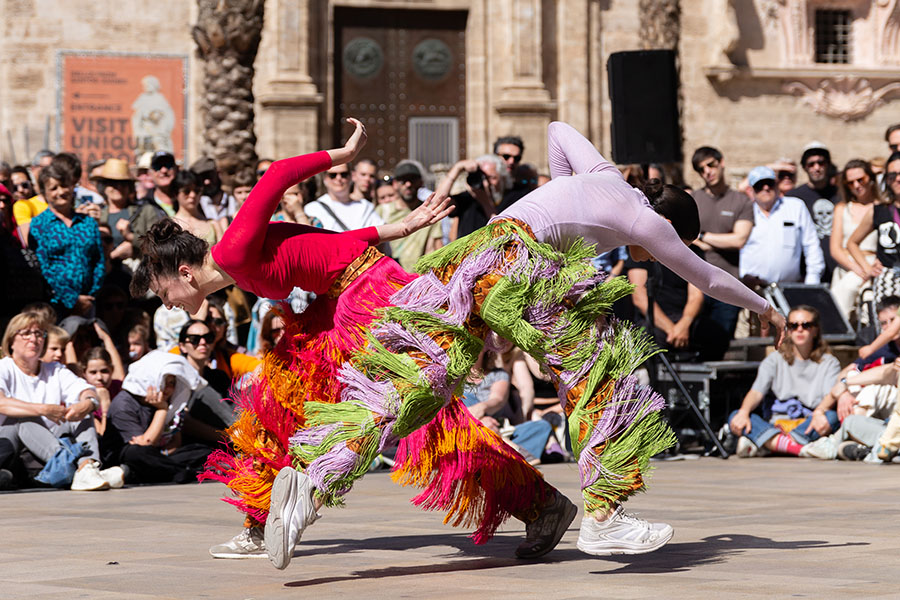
(761, 431)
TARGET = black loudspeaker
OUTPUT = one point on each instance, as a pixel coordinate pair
(835, 327)
(643, 89)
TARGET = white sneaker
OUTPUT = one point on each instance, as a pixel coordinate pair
(824, 448)
(746, 448)
(291, 511)
(115, 476)
(88, 479)
(249, 543)
(621, 533)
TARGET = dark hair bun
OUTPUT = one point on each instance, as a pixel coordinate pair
(653, 189)
(164, 230)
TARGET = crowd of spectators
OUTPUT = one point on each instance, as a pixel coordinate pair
(123, 389)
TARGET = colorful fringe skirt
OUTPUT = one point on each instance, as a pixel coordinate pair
(554, 305)
(303, 368)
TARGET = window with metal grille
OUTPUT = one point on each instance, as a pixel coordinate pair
(833, 28)
(434, 140)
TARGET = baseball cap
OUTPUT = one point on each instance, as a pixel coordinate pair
(161, 159)
(758, 174)
(407, 170)
(203, 164)
(814, 148)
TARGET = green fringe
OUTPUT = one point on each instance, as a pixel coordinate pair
(648, 436)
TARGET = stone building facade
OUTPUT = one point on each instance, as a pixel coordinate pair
(463, 72)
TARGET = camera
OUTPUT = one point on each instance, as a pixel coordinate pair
(476, 179)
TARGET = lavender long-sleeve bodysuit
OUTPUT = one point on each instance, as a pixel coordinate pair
(598, 205)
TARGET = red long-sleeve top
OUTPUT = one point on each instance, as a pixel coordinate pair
(270, 259)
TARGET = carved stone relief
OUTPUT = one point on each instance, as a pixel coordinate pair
(846, 98)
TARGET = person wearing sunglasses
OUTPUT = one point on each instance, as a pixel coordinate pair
(510, 148)
(208, 404)
(26, 203)
(820, 194)
(335, 209)
(783, 235)
(892, 137)
(789, 386)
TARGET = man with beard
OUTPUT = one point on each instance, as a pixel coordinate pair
(487, 180)
(820, 195)
(726, 219)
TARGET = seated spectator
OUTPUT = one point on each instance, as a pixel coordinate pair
(870, 399)
(98, 369)
(680, 322)
(86, 334)
(41, 402)
(55, 349)
(790, 385)
(208, 404)
(225, 354)
(146, 420)
(487, 398)
(67, 245)
(393, 208)
(858, 195)
(138, 342)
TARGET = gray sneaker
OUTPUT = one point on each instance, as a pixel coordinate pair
(291, 510)
(543, 534)
(622, 533)
(248, 543)
(851, 450)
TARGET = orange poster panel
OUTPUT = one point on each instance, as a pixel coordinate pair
(115, 106)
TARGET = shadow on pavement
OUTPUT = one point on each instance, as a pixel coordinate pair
(673, 558)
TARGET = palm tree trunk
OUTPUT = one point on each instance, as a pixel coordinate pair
(227, 34)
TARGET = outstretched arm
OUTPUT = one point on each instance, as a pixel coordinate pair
(570, 152)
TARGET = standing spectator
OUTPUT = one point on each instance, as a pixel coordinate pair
(86, 199)
(218, 206)
(115, 184)
(510, 148)
(726, 218)
(487, 180)
(271, 330)
(820, 196)
(680, 323)
(291, 207)
(883, 218)
(27, 205)
(363, 178)
(243, 181)
(42, 158)
(393, 209)
(857, 199)
(189, 210)
(5, 172)
(892, 137)
(262, 165)
(37, 399)
(783, 234)
(791, 383)
(162, 172)
(67, 245)
(336, 210)
(144, 186)
(785, 174)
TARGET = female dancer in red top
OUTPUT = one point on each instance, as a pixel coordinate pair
(353, 281)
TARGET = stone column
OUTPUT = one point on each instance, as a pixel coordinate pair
(289, 99)
(524, 106)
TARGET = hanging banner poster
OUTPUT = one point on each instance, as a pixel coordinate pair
(121, 105)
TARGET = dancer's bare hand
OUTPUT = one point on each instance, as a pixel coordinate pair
(772, 318)
(357, 139)
(428, 213)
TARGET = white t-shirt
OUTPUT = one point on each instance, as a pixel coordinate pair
(54, 384)
(356, 214)
(214, 212)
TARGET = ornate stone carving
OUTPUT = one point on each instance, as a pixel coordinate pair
(432, 59)
(845, 98)
(363, 57)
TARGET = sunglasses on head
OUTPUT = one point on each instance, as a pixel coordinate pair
(513, 157)
(194, 338)
(795, 325)
(342, 174)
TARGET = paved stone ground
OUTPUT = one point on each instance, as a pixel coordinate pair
(757, 528)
